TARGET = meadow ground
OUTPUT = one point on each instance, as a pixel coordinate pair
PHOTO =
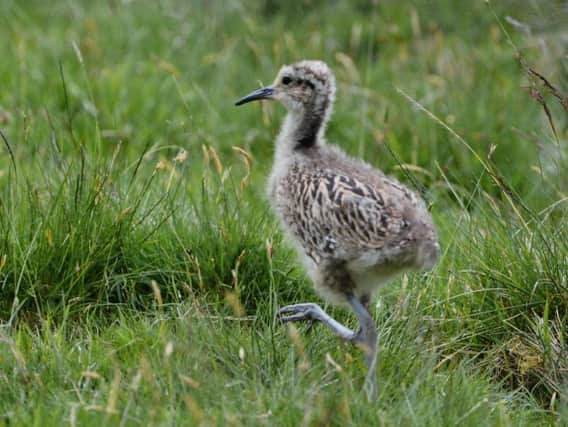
(140, 266)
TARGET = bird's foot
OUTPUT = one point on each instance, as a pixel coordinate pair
(367, 341)
(370, 388)
(298, 312)
(365, 338)
(313, 312)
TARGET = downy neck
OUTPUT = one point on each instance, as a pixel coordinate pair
(303, 129)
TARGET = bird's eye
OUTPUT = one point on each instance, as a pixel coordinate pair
(286, 80)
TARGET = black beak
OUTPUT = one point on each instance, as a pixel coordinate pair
(264, 93)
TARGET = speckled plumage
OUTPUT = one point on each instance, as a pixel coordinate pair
(340, 211)
(354, 227)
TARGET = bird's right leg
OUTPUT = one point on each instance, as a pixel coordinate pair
(366, 339)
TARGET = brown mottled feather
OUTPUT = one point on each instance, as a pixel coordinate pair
(340, 215)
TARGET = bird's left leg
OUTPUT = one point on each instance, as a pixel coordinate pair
(365, 338)
(335, 276)
(312, 311)
(331, 275)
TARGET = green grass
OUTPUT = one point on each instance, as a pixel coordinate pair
(140, 266)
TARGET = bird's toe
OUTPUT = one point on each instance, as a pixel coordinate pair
(297, 312)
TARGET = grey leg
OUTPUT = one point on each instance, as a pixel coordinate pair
(312, 311)
(365, 337)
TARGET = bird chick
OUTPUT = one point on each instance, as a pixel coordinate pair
(355, 228)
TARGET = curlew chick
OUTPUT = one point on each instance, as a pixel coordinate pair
(355, 228)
